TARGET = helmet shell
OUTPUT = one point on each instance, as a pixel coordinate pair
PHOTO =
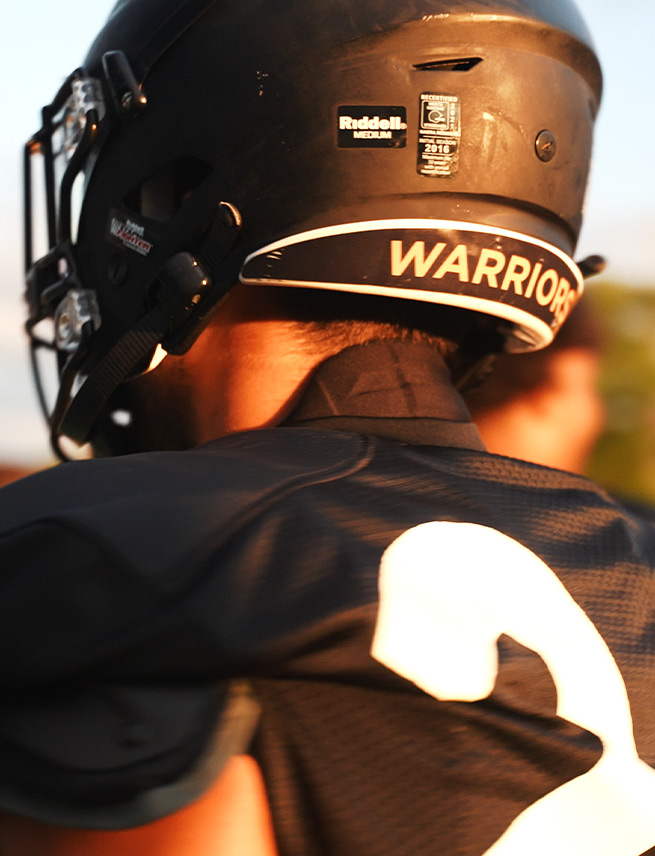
(433, 150)
(252, 98)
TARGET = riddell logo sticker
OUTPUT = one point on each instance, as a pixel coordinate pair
(127, 233)
(371, 127)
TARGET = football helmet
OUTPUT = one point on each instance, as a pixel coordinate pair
(433, 150)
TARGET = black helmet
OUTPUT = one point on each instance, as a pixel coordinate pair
(436, 150)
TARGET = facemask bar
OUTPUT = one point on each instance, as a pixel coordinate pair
(69, 130)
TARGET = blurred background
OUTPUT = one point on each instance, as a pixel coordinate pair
(41, 43)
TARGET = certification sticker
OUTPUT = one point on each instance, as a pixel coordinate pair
(439, 136)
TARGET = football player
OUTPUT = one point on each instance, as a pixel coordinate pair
(292, 603)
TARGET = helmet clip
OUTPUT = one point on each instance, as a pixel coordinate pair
(129, 99)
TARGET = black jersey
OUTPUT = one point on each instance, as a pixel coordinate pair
(450, 652)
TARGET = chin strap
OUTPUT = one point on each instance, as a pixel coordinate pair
(182, 282)
(184, 296)
(592, 266)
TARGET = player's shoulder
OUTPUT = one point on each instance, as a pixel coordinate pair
(281, 454)
(130, 500)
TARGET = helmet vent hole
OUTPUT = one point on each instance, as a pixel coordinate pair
(161, 196)
(460, 64)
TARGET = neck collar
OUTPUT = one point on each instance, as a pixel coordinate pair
(391, 389)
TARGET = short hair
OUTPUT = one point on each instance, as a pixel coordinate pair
(328, 322)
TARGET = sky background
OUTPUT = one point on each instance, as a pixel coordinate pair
(40, 44)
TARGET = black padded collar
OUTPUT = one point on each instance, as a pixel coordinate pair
(396, 390)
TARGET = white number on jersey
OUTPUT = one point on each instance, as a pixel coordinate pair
(448, 591)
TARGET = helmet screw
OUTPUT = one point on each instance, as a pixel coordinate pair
(117, 270)
(546, 146)
(64, 327)
(126, 101)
